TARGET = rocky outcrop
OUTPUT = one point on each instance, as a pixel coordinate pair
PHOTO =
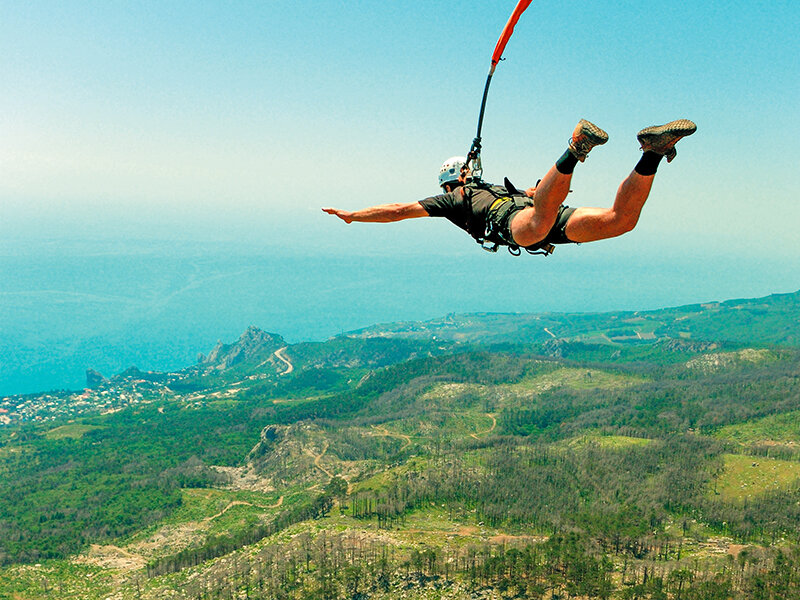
(709, 363)
(253, 344)
(294, 454)
(94, 379)
(693, 346)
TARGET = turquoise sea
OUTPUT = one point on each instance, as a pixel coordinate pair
(65, 307)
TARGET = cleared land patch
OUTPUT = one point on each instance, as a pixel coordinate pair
(56, 579)
(74, 431)
(469, 395)
(748, 476)
(574, 378)
(607, 441)
(776, 428)
(203, 512)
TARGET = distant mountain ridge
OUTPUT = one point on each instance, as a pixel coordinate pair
(771, 320)
(665, 335)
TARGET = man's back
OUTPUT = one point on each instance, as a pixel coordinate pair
(467, 206)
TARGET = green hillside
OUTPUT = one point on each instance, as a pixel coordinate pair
(463, 458)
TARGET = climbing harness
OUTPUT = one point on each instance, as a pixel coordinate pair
(504, 208)
(508, 200)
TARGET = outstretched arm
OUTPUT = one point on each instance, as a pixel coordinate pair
(385, 213)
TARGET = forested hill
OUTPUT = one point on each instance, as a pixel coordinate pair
(773, 319)
(651, 455)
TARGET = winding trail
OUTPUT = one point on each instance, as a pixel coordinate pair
(381, 430)
(243, 503)
(224, 510)
(317, 458)
(486, 431)
(282, 357)
(318, 464)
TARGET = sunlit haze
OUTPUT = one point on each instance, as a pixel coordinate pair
(231, 124)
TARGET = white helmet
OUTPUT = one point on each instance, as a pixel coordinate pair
(451, 170)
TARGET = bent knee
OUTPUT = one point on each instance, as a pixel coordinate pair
(622, 227)
(620, 224)
(627, 224)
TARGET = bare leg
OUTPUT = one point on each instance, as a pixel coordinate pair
(592, 224)
(532, 224)
(657, 142)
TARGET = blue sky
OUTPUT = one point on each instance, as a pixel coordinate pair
(196, 130)
(229, 120)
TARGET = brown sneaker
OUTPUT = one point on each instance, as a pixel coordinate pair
(661, 139)
(585, 137)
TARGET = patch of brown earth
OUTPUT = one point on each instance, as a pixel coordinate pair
(111, 557)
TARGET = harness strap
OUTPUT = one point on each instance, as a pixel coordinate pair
(497, 203)
(492, 239)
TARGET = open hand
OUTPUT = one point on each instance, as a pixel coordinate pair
(342, 214)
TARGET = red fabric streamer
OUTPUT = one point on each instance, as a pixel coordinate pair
(508, 30)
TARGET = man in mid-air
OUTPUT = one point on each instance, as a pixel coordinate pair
(536, 219)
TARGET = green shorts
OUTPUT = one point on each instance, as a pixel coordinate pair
(499, 220)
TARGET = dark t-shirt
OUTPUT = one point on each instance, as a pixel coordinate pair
(467, 210)
(471, 209)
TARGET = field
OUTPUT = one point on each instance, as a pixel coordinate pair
(746, 477)
(73, 431)
(778, 428)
